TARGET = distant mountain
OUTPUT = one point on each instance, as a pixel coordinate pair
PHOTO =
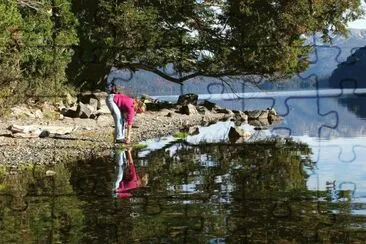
(332, 63)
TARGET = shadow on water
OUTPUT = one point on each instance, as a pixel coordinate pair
(253, 192)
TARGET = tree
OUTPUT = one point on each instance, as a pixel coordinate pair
(10, 20)
(216, 38)
(35, 47)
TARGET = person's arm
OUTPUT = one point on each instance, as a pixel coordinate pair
(129, 157)
(128, 133)
(129, 119)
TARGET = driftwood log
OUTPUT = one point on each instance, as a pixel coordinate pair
(31, 131)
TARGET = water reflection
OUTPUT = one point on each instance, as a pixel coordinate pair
(236, 193)
(127, 178)
(37, 205)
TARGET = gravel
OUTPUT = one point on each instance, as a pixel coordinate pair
(93, 137)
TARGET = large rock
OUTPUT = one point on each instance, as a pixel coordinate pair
(209, 105)
(260, 124)
(238, 135)
(70, 112)
(96, 99)
(85, 111)
(273, 116)
(224, 111)
(193, 130)
(189, 109)
(156, 106)
(240, 116)
(202, 110)
(148, 99)
(186, 99)
(257, 114)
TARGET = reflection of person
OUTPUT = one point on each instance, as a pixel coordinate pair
(127, 178)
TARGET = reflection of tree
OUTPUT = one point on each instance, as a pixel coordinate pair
(355, 105)
(254, 192)
(213, 177)
(244, 193)
(39, 208)
(350, 74)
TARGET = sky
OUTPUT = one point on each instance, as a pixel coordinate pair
(361, 23)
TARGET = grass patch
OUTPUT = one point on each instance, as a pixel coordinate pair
(134, 146)
(181, 135)
(140, 146)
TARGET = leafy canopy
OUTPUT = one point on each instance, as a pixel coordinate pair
(217, 38)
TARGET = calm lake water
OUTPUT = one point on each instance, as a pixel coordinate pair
(308, 187)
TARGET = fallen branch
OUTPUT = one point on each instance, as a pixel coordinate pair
(32, 131)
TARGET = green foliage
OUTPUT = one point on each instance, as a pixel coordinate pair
(10, 23)
(123, 147)
(35, 46)
(193, 38)
(181, 135)
(54, 217)
(243, 37)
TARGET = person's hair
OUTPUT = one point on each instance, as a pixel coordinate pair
(139, 106)
(144, 180)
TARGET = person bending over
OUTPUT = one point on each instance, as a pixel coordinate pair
(127, 106)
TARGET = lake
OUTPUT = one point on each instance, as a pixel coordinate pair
(300, 181)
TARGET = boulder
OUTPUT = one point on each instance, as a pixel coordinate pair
(225, 111)
(209, 105)
(84, 111)
(238, 134)
(240, 116)
(156, 106)
(96, 99)
(189, 109)
(202, 110)
(102, 110)
(260, 124)
(186, 99)
(257, 114)
(193, 130)
(273, 116)
(147, 99)
(100, 96)
(70, 112)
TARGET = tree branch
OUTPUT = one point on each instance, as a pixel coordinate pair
(30, 4)
(182, 79)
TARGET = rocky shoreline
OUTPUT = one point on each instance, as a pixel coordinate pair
(93, 136)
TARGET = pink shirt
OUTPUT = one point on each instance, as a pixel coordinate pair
(125, 104)
(124, 187)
